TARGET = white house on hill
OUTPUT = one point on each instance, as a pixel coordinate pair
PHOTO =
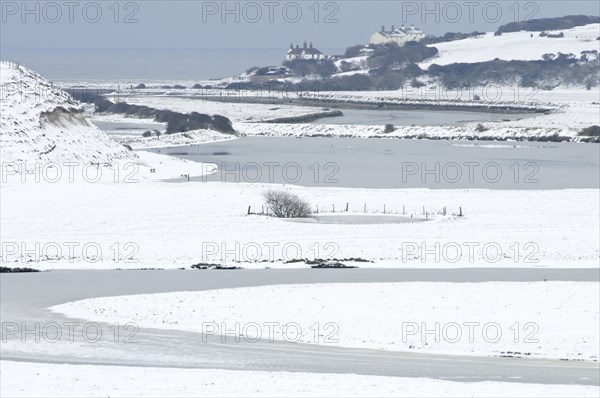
(397, 35)
(306, 52)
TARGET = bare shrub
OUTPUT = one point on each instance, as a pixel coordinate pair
(389, 128)
(286, 205)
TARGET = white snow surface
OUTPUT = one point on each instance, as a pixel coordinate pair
(231, 108)
(177, 225)
(40, 122)
(558, 320)
(515, 46)
(189, 138)
(26, 379)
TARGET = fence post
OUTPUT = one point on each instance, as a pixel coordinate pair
(347, 207)
(384, 208)
(249, 207)
(333, 207)
(460, 213)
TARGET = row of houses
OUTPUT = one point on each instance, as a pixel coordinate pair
(306, 52)
(399, 36)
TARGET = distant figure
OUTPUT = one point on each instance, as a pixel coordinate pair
(532, 35)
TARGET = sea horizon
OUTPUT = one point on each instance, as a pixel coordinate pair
(168, 64)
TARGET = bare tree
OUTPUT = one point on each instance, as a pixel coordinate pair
(286, 205)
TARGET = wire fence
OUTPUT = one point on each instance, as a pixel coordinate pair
(423, 211)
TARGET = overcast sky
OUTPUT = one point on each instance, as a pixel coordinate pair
(261, 24)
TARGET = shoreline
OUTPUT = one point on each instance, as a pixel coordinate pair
(435, 133)
(400, 104)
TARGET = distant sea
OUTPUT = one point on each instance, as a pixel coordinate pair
(145, 64)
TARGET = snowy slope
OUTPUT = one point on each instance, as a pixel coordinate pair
(515, 46)
(40, 122)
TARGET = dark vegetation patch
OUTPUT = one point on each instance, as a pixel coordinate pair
(592, 131)
(332, 264)
(542, 24)
(11, 270)
(176, 122)
(214, 266)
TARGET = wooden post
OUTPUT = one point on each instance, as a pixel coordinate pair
(347, 207)
(423, 210)
(403, 210)
(460, 213)
(249, 207)
(427, 216)
(333, 207)
(384, 209)
(262, 209)
(317, 209)
(365, 207)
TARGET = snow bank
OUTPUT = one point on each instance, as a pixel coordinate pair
(231, 107)
(45, 137)
(558, 320)
(195, 137)
(24, 379)
(39, 121)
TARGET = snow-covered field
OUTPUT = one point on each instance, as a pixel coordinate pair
(189, 138)
(75, 198)
(558, 320)
(22, 379)
(495, 131)
(515, 46)
(177, 225)
(233, 109)
(572, 110)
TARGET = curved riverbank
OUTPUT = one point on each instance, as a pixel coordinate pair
(495, 132)
(401, 104)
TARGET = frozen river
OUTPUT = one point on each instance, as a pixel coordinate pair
(383, 163)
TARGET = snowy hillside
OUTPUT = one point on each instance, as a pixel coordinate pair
(516, 46)
(40, 122)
